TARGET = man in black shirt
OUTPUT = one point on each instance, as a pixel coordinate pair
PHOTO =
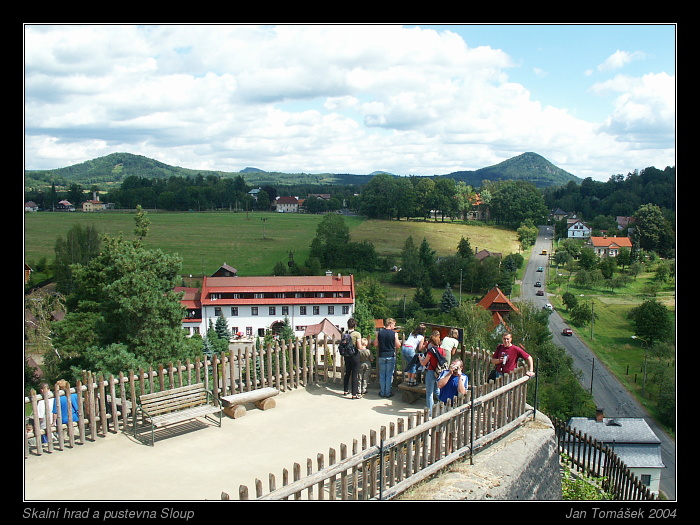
(387, 343)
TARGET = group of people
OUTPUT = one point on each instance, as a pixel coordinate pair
(443, 376)
(46, 421)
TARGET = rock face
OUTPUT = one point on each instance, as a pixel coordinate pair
(523, 465)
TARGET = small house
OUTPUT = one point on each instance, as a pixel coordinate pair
(578, 230)
(632, 440)
(609, 246)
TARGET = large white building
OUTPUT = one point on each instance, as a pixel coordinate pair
(252, 305)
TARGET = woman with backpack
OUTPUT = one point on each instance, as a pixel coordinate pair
(433, 357)
(352, 363)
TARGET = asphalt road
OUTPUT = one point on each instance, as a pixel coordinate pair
(608, 393)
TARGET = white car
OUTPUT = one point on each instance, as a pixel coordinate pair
(548, 307)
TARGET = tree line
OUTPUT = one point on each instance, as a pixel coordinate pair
(620, 195)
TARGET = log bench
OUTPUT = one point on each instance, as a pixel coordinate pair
(262, 397)
(410, 394)
(176, 405)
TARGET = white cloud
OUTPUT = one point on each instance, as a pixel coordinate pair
(620, 59)
(314, 98)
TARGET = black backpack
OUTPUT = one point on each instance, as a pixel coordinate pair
(346, 348)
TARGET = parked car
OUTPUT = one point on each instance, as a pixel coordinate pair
(538, 284)
(539, 292)
(567, 331)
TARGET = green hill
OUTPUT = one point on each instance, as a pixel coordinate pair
(528, 166)
(109, 171)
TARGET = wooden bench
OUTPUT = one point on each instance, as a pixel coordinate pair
(262, 397)
(176, 405)
(410, 394)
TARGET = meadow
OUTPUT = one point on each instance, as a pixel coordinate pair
(253, 242)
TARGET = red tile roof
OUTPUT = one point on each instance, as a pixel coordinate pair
(611, 242)
(328, 284)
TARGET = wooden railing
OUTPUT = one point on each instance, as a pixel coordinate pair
(416, 447)
(596, 459)
(106, 404)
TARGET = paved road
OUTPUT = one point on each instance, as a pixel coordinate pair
(607, 390)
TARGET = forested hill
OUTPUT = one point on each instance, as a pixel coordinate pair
(109, 171)
(528, 166)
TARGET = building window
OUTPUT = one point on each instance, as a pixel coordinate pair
(302, 310)
(234, 311)
(259, 296)
(316, 311)
(285, 310)
(248, 331)
(234, 330)
(217, 311)
(346, 310)
(272, 310)
(331, 310)
(254, 310)
(646, 479)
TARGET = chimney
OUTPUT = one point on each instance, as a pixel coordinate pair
(599, 415)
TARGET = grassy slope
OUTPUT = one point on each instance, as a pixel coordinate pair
(207, 240)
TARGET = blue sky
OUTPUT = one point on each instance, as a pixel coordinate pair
(596, 100)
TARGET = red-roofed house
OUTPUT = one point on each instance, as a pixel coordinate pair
(193, 309)
(609, 246)
(499, 305)
(252, 305)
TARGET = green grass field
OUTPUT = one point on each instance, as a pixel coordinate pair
(247, 242)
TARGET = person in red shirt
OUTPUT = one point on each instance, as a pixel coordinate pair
(506, 356)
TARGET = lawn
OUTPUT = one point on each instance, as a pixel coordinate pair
(253, 242)
(389, 236)
(205, 241)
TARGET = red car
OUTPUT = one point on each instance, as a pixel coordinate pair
(539, 292)
(567, 331)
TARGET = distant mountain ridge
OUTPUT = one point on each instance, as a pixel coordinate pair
(111, 169)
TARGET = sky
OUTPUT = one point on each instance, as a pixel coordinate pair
(595, 100)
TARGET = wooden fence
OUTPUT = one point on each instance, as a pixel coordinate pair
(106, 405)
(386, 464)
(596, 459)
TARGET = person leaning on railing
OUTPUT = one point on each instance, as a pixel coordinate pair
(505, 358)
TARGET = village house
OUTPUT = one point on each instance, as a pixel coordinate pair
(287, 204)
(631, 439)
(485, 254)
(64, 205)
(94, 204)
(477, 211)
(578, 230)
(253, 305)
(30, 206)
(609, 246)
(500, 307)
(558, 214)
